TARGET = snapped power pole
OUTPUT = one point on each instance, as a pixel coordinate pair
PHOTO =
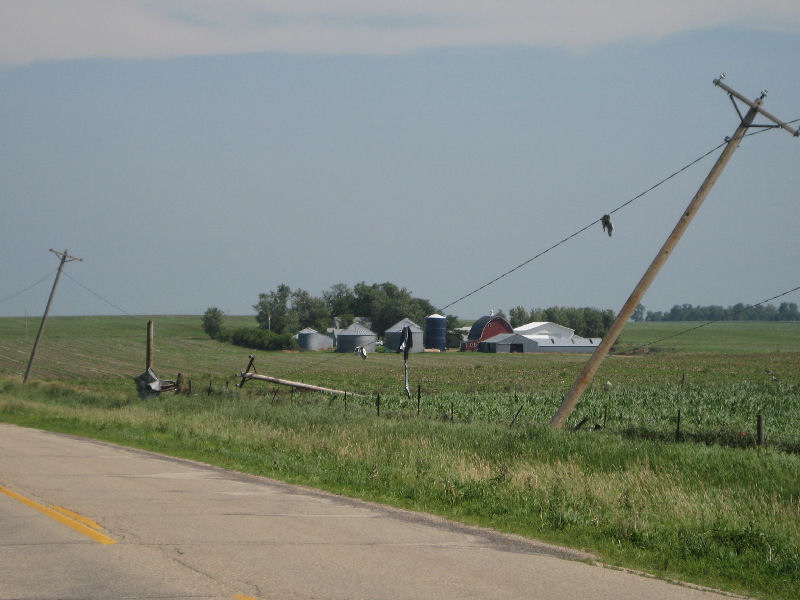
(65, 258)
(586, 376)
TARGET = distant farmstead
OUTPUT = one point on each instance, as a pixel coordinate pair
(539, 337)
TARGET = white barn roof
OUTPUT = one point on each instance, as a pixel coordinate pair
(545, 328)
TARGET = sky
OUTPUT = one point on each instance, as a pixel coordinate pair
(196, 153)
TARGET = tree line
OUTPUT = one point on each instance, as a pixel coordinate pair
(786, 311)
(282, 312)
(586, 322)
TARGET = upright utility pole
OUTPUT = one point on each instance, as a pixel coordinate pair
(585, 378)
(64, 259)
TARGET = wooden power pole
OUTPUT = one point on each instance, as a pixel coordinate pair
(586, 376)
(64, 259)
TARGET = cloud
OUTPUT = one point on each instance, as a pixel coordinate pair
(33, 30)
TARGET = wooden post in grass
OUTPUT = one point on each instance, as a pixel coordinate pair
(419, 397)
(760, 430)
(149, 353)
(585, 378)
(378, 403)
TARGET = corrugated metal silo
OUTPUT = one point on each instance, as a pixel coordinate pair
(311, 339)
(391, 337)
(354, 336)
(436, 332)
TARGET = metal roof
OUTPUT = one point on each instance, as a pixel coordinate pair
(403, 323)
(356, 329)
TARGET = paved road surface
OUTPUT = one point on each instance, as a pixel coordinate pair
(81, 519)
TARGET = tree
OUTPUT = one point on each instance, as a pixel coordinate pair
(518, 316)
(273, 308)
(638, 313)
(340, 300)
(213, 322)
(308, 311)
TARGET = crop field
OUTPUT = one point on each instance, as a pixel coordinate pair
(691, 498)
(720, 377)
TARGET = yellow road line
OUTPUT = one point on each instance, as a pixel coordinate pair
(240, 597)
(78, 517)
(62, 518)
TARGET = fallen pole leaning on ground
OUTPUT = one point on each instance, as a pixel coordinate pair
(295, 384)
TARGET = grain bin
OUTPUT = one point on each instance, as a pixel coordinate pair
(311, 339)
(354, 336)
(436, 332)
(391, 337)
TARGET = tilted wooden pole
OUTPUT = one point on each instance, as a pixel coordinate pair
(64, 258)
(586, 376)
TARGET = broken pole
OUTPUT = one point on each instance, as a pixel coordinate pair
(292, 384)
(585, 378)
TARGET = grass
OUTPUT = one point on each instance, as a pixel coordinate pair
(712, 509)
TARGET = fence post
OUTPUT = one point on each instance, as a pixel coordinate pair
(378, 403)
(345, 402)
(419, 397)
(760, 430)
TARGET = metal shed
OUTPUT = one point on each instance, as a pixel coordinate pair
(391, 337)
(354, 336)
(515, 342)
(311, 339)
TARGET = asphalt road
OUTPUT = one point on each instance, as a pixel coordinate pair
(81, 519)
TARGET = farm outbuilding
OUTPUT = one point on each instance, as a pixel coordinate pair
(485, 328)
(391, 337)
(311, 339)
(354, 337)
(540, 337)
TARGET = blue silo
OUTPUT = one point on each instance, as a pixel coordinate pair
(436, 332)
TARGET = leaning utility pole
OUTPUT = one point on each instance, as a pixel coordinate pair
(64, 258)
(585, 378)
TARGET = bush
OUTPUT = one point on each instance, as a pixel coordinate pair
(259, 339)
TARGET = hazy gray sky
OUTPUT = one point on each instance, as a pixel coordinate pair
(196, 153)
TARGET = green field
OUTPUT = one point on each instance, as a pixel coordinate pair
(706, 506)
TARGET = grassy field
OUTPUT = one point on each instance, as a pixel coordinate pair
(708, 507)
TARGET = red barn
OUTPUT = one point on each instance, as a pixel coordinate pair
(483, 329)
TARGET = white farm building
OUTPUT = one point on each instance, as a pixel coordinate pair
(540, 337)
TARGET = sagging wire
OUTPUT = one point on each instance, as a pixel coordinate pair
(605, 220)
(31, 286)
(696, 327)
(111, 304)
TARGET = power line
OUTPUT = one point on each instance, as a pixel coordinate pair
(33, 285)
(124, 312)
(725, 318)
(582, 229)
(595, 222)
